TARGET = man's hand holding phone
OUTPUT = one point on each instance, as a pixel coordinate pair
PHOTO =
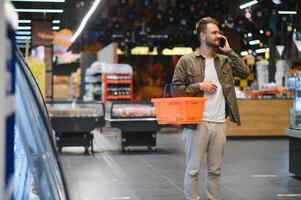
(224, 45)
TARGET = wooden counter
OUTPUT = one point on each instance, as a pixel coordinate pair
(261, 117)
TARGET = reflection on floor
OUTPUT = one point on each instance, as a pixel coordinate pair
(255, 169)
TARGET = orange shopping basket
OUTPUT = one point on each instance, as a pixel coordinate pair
(179, 110)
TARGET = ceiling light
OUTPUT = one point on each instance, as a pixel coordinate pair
(248, 15)
(23, 33)
(264, 50)
(86, 18)
(24, 21)
(277, 2)
(268, 33)
(55, 28)
(24, 28)
(243, 6)
(289, 28)
(287, 12)
(44, 1)
(21, 41)
(253, 42)
(243, 53)
(32, 10)
(56, 21)
(23, 37)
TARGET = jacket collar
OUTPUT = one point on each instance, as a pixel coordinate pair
(199, 55)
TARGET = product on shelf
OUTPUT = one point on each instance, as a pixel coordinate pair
(132, 110)
(136, 121)
(117, 82)
(93, 82)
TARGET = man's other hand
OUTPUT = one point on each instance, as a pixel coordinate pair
(208, 87)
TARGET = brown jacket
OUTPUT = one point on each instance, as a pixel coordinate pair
(190, 71)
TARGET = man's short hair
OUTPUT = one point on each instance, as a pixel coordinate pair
(201, 25)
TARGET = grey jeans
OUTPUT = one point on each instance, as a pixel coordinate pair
(209, 138)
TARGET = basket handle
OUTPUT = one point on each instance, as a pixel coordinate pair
(171, 90)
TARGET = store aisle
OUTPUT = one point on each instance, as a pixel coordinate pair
(253, 170)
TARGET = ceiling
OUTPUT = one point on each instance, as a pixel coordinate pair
(169, 23)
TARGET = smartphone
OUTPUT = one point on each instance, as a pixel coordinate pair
(222, 42)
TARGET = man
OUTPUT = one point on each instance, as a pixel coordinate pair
(209, 74)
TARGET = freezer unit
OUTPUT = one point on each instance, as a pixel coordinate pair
(73, 122)
(136, 121)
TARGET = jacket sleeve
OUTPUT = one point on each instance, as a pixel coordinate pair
(239, 67)
(182, 87)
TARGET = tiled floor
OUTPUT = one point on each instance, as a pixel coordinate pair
(255, 169)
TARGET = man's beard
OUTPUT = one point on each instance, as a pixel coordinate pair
(211, 43)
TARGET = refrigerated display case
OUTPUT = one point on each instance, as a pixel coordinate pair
(8, 24)
(136, 121)
(73, 122)
(37, 166)
(294, 131)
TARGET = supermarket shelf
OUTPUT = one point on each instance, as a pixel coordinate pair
(119, 81)
(119, 97)
(111, 84)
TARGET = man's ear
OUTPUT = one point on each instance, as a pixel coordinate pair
(202, 35)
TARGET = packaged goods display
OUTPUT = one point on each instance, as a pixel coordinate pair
(132, 111)
(117, 82)
(93, 82)
(136, 121)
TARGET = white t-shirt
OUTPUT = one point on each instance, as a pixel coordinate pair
(215, 105)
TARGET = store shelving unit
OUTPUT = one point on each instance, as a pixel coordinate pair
(117, 82)
(118, 87)
(63, 70)
(93, 82)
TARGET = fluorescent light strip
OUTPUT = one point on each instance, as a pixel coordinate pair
(44, 1)
(56, 28)
(21, 41)
(243, 6)
(39, 10)
(23, 37)
(264, 176)
(253, 42)
(287, 12)
(289, 195)
(24, 28)
(23, 32)
(86, 18)
(56, 21)
(24, 21)
(262, 50)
